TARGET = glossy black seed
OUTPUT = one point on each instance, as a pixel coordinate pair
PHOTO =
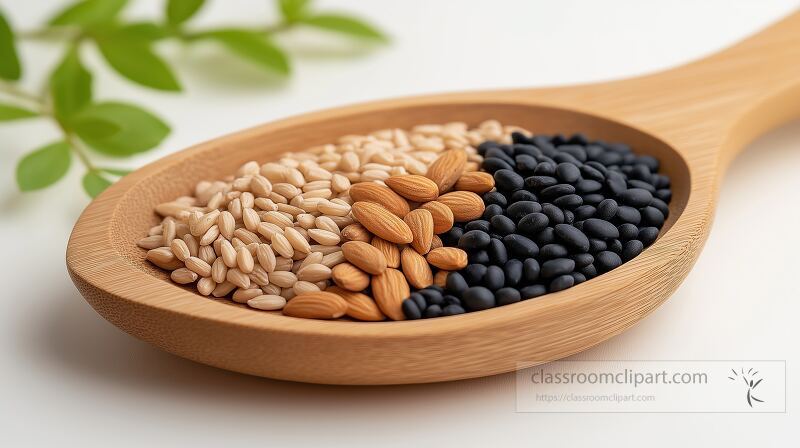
(493, 164)
(473, 273)
(572, 237)
(559, 266)
(452, 310)
(433, 311)
(540, 182)
(451, 300)
(552, 250)
(628, 231)
(568, 172)
(507, 296)
(546, 236)
(590, 172)
(518, 210)
(562, 157)
(495, 278)
(615, 246)
(545, 169)
(502, 225)
(455, 283)
(652, 217)
(432, 296)
(479, 224)
(588, 186)
(635, 183)
(606, 261)
(411, 310)
(636, 197)
(557, 190)
(575, 150)
(582, 259)
(419, 299)
(497, 251)
(527, 149)
(492, 210)
(474, 239)
(553, 213)
(508, 180)
(647, 235)
(484, 146)
(513, 272)
(628, 214)
(495, 197)
(522, 195)
(531, 270)
(596, 245)
(584, 212)
(521, 246)
(451, 237)
(436, 288)
(569, 201)
(501, 154)
(519, 137)
(478, 298)
(532, 224)
(525, 163)
(479, 256)
(609, 158)
(631, 249)
(532, 291)
(562, 282)
(598, 228)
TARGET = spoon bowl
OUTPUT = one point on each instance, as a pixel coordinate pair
(693, 119)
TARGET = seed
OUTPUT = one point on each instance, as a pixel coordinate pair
(282, 246)
(314, 273)
(326, 223)
(242, 295)
(304, 287)
(267, 302)
(356, 232)
(283, 279)
(198, 266)
(180, 249)
(297, 240)
(244, 260)
(349, 277)
(151, 242)
(324, 237)
(238, 278)
(183, 276)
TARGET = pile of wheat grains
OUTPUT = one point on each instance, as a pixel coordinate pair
(343, 229)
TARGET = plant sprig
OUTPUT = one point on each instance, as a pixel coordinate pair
(121, 129)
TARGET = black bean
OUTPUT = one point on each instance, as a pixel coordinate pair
(582, 259)
(531, 270)
(593, 199)
(508, 180)
(493, 164)
(559, 266)
(610, 158)
(628, 214)
(513, 272)
(596, 245)
(484, 146)
(532, 224)
(495, 197)
(635, 183)
(549, 251)
(568, 172)
(652, 217)
(522, 195)
(546, 236)
(507, 296)
(452, 310)
(631, 249)
(479, 224)
(607, 209)
(525, 149)
(575, 151)
(532, 291)
(557, 190)
(473, 273)
(615, 182)
(615, 246)
(599, 228)
(519, 137)
(498, 254)
(479, 256)
(636, 197)
(589, 271)
(455, 283)
(572, 237)
(664, 194)
(606, 261)
(642, 172)
(563, 157)
(492, 210)
(647, 235)
(584, 211)
(525, 163)
(588, 186)
(478, 298)
(569, 201)
(521, 246)
(495, 278)
(562, 282)
(553, 213)
(500, 153)
(419, 299)
(661, 206)
(650, 161)
(411, 310)
(518, 210)
(432, 296)
(545, 169)
(502, 225)
(540, 182)
(474, 239)
(451, 300)
(590, 172)
(451, 237)
(579, 278)
(433, 311)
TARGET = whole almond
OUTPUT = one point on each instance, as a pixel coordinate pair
(359, 306)
(476, 181)
(349, 277)
(416, 268)
(379, 194)
(316, 305)
(382, 222)
(414, 187)
(390, 251)
(420, 222)
(436, 242)
(389, 290)
(446, 170)
(465, 205)
(440, 279)
(442, 216)
(364, 256)
(448, 258)
(356, 232)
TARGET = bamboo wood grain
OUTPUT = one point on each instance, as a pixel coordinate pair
(694, 118)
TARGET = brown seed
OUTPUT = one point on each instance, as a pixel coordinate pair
(448, 258)
(442, 216)
(245, 294)
(389, 250)
(440, 279)
(356, 232)
(314, 273)
(316, 305)
(151, 242)
(324, 237)
(183, 276)
(364, 256)
(180, 249)
(380, 194)
(198, 266)
(163, 258)
(359, 306)
(477, 182)
(382, 222)
(267, 302)
(446, 170)
(266, 257)
(283, 279)
(389, 290)
(436, 242)
(420, 222)
(350, 277)
(465, 205)
(414, 187)
(238, 278)
(416, 269)
(206, 285)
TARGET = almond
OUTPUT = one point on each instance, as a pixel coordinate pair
(390, 251)
(421, 224)
(465, 205)
(448, 258)
(476, 182)
(382, 222)
(436, 242)
(414, 187)
(446, 170)
(356, 232)
(359, 306)
(442, 216)
(316, 305)
(416, 269)
(364, 256)
(379, 194)
(440, 279)
(389, 290)
(350, 277)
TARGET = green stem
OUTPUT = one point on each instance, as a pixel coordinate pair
(19, 94)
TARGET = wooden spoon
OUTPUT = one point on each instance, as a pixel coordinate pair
(694, 118)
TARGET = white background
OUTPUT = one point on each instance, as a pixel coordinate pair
(69, 377)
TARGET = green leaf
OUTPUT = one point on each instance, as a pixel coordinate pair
(141, 32)
(116, 171)
(9, 62)
(254, 47)
(133, 58)
(343, 24)
(89, 12)
(138, 130)
(43, 167)
(70, 86)
(179, 11)
(10, 112)
(293, 10)
(94, 183)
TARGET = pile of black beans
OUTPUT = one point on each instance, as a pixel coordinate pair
(564, 210)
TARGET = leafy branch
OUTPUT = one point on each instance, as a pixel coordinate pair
(119, 129)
